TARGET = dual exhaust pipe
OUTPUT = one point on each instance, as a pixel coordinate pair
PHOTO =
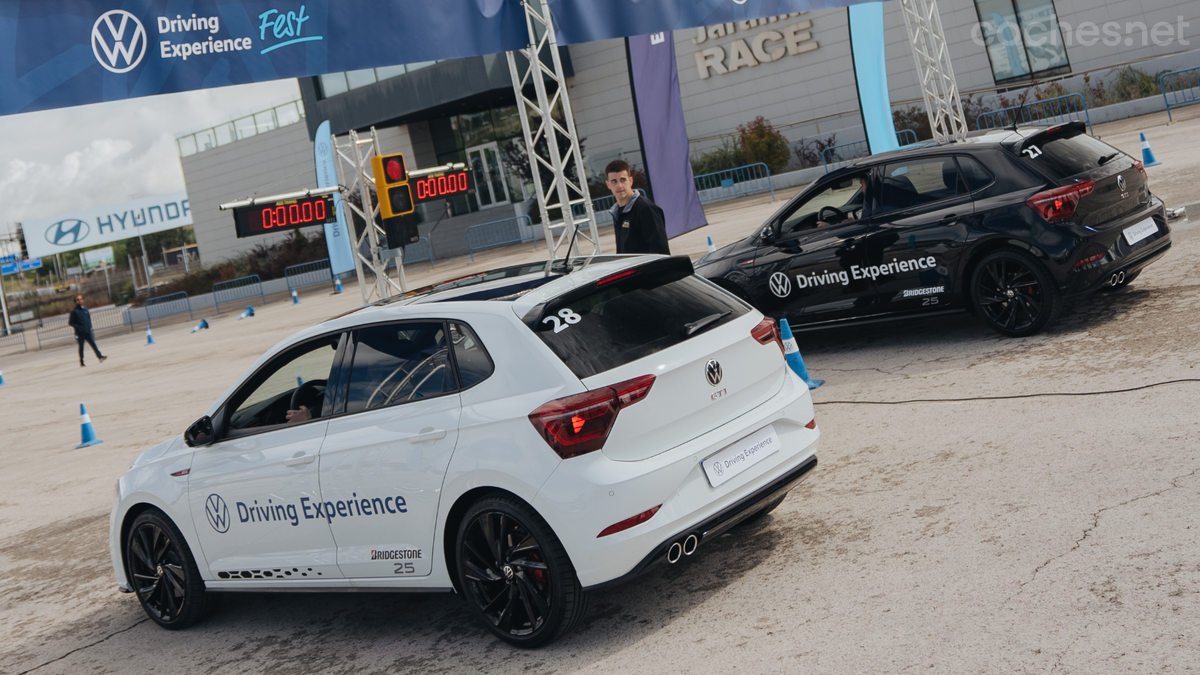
(685, 546)
(1117, 278)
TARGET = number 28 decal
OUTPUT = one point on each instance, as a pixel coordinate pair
(568, 318)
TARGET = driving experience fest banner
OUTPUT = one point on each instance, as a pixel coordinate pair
(59, 53)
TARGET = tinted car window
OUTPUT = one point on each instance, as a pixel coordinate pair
(918, 182)
(844, 196)
(267, 397)
(974, 174)
(1066, 152)
(474, 366)
(613, 323)
(397, 363)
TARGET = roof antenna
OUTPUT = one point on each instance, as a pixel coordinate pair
(567, 260)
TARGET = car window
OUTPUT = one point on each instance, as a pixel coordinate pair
(974, 174)
(1066, 151)
(474, 366)
(844, 196)
(918, 182)
(398, 363)
(267, 397)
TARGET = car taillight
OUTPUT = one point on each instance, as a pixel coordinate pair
(1059, 205)
(578, 424)
(1090, 259)
(766, 332)
(629, 522)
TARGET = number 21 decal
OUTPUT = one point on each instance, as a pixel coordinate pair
(569, 318)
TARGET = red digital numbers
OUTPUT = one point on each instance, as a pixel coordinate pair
(297, 213)
(441, 186)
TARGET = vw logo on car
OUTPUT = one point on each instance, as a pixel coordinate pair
(67, 232)
(218, 513)
(712, 372)
(781, 285)
(116, 36)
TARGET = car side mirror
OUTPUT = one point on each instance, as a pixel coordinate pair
(768, 234)
(200, 433)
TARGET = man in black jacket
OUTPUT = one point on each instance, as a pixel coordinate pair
(81, 321)
(639, 224)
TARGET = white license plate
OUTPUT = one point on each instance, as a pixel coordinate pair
(1140, 231)
(740, 456)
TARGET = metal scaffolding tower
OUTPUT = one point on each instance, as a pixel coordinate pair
(561, 140)
(934, 70)
(354, 170)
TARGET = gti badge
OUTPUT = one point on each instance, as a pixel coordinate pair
(712, 372)
(218, 513)
(781, 285)
(118, 35)
(67, 232)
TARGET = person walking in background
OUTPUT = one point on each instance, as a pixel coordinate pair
(81, 321)
(639, 224)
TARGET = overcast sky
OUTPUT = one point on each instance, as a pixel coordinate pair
(56, 161)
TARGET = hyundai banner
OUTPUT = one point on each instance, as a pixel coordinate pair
(104, 224)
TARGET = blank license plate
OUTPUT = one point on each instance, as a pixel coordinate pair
(740, 456)
(1140, 231)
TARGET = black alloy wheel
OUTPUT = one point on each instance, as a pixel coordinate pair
(1014, 293)
(515, 573)
(163, 573)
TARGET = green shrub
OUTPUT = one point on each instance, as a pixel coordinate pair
(728, 156)
(761, 142)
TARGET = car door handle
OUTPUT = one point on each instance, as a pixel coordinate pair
(428, 434)
(948, 219)
(299, 459)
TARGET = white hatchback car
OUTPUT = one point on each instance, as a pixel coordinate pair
(520, 437)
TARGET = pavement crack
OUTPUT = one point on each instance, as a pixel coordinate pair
(1096, 523)
(87, 646)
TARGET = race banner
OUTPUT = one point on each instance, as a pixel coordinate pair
(89, 227)
(659, 108)
(60, 53)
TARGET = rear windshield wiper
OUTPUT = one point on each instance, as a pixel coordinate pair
(1108, 158)
(691, 328)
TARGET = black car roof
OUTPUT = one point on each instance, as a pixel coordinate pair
(975, 140)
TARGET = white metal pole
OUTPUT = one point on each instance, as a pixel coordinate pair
(4, 303)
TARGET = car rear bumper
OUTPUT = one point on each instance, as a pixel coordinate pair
(1121, 258)
(587, 494)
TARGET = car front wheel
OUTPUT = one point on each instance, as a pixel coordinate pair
(1014, 293)
(163, 573)
(515, 573)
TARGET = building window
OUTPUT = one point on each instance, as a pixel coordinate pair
(1023, 39)
(340, 83)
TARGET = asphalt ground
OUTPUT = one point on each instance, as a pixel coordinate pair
(1044, 534)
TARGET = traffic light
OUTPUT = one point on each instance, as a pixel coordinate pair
(391, 183)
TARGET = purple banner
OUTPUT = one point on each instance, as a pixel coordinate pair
(664, 133)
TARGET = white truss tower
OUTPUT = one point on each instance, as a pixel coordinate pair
(573, 233)
(354, 169)
(934, 70)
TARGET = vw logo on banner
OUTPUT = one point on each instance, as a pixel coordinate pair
(67, 232)
(781, 285)
(218, 513)
(712, 372)
(118, 35)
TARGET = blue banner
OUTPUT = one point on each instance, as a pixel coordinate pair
(58, 53)
(338, 238)
(588, 20)
(870, 73)
(664, 132)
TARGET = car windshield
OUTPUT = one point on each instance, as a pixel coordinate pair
(831, 203)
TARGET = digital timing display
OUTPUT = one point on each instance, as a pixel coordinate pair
(442, 185)
(288, 215)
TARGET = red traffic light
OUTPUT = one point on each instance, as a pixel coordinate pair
(395, 170)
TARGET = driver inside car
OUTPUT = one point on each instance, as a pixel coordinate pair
(853, 208)
(303, 414)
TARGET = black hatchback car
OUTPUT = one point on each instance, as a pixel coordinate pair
(1007, 224)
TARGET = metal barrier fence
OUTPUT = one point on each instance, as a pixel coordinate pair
(421, 251)
(308, 274)
(497, 233)
(102, 319)
(736, 182)
(237, 289)
(600, 207)
(13, 338)
(1062, 109)
(847, 152)
(166, 305)
(1185, 88)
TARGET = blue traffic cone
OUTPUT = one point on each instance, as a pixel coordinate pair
(712, 248)
(1148, 154)
(201, 326)
(1, 379)
(792, 353)
(299, 381)
(149, 337)
(89, 434)
(337, 285)
(295, 298)
(249, 312)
